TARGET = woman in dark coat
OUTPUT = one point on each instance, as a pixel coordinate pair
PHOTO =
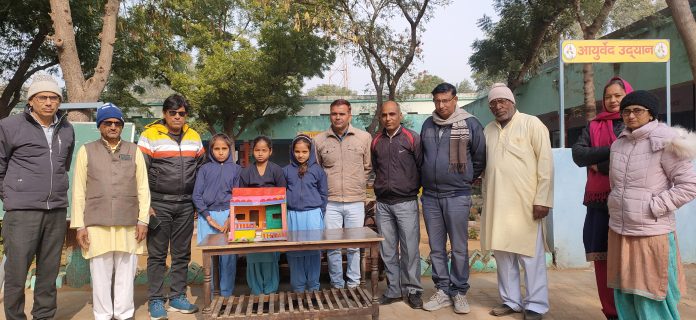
(592, 151)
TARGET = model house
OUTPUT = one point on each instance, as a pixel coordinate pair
(259, 214)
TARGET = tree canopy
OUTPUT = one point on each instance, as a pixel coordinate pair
(325, 90)
(235, 61)
(465, 86)
(423, 83)
(525, 36)
(527, 33)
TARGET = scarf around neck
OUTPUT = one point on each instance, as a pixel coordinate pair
(459, 138)
(601, 135)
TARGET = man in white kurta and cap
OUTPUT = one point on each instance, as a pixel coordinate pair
(517, 193)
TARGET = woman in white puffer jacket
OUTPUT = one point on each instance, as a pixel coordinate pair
(651, 175)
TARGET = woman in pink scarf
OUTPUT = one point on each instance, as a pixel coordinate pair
(592, 151)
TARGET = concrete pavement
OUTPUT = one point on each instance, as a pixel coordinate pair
(572, 294)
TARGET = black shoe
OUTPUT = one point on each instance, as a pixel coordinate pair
(384, 300)
(531, 315)
(415, 300)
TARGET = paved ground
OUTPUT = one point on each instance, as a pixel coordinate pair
(572, 292)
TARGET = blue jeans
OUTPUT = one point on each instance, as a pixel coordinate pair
(228, 263)
(344, 215)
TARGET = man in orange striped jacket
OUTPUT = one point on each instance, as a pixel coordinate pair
(173, 153)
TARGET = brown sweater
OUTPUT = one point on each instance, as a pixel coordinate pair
(347, 163)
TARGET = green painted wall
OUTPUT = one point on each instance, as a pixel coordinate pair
(289, 127)
(540, 94)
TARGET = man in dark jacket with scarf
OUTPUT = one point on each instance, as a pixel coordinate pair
(35, 153)
(454, 155)
(396, 159)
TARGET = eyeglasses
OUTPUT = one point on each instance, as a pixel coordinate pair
(437, 102)
(109, 123)
(42, 98)
(174, 113)
(637, 112)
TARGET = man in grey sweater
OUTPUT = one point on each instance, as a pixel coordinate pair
(35, 153)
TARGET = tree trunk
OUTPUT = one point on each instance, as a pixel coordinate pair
(228, 127)
(590, 109)
(79, 89)
(80, 115)
(589, 32)
(684, 20)
(374, 125)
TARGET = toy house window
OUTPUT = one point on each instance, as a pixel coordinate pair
(241, 217)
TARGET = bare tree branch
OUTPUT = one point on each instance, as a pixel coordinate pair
(12, 92)
(79, 89)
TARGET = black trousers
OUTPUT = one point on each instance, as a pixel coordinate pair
(173, 234)
(29, 233)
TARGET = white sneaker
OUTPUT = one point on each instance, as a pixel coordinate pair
(438, 301)
(460, 304)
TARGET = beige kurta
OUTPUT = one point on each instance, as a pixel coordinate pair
(519, 174)
(107, 239)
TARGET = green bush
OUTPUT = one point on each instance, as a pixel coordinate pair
(473, 234)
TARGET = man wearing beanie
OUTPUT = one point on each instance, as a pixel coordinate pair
(35, 153)
(517, 195)
(454, 155)
(110, 205)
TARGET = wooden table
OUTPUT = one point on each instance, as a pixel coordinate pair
(287, 305)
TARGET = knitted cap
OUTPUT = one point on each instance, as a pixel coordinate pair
(108, 111)
(500, 90)
(44, 83)
(642, 98)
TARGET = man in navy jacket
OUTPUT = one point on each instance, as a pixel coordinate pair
(454, 155)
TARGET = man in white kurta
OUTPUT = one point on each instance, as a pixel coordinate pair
(518, 193)
(110, 205)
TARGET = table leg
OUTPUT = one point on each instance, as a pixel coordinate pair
(206, 283)
(374, 278)
(216, 275)
(363, 267)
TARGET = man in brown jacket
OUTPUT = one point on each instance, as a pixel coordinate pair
(344, 153)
